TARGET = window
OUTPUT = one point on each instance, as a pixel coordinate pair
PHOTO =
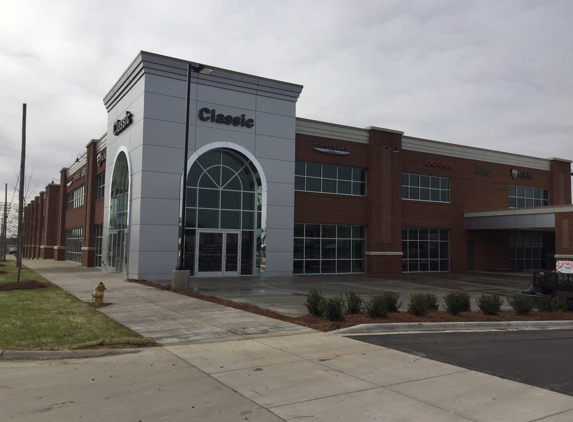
(224, 191)
(74, 239)
(425, 188)
(521, 197)
(99, 237)
(327, 178)
(425, 250)
(100, 185)
(528, 251)
(76, 198)
(328, 248)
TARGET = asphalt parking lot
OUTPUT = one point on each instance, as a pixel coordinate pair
(539, 358)
(288, 294)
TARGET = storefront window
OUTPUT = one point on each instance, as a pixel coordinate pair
(425, 250)
(74, 239)
(328, 248)
(528, 251)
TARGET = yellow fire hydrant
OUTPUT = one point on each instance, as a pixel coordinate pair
(97, 294)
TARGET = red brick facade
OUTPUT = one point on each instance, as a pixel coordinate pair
(384, 213)
(47, 218)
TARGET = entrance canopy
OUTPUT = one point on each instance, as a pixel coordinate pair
(533, 218)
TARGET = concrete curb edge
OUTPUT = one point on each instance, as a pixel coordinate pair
(62, 354)
(452, 326)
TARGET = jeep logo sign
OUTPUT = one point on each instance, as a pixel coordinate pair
(122, 124)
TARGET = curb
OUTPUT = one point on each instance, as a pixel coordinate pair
(62, 354)
(409, 327)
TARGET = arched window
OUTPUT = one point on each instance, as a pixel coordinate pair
(118, 207)
(224, 193)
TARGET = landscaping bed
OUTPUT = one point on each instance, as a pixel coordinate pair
(322, 324)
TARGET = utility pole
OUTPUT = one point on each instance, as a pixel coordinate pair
(21, 193)
(4, 222)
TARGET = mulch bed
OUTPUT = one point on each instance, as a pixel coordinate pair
(322, 324)
(2, 272)
(23, 285)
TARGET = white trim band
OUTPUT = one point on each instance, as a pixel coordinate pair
(88, 248)
(563, 256)
(47, 246)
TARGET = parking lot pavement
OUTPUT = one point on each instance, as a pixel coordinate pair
(287, 294)
(538, 358)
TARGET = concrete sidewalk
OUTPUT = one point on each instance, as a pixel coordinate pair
(296, 376)
(165, 316)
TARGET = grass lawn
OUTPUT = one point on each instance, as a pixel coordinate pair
(51, 318)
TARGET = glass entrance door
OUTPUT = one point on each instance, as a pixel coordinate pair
(116, 248)
(218, 253)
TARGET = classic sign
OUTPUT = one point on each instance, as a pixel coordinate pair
(122, 124)
(206, 114)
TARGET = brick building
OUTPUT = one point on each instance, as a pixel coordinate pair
(270, 193)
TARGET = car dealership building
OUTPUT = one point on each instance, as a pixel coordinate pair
(269, 193)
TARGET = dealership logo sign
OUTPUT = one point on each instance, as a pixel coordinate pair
(206, 114)
(516, 173)
(439, 164)
(122, 124)
(100, 159)
(331, 149)
(483, 170)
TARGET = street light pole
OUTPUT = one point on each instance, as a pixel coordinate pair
(181, 274)
(21, 193)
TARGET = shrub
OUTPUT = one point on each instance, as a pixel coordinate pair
(375, 306)
(521, 305)
(457, 302)
(314, 301)
(489, 305)
(422, 303)
(333, 308)
(391, 301)
(353, 303)
(546, 303)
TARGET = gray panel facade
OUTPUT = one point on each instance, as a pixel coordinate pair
(153, 89)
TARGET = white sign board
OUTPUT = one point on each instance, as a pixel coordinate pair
(564, 267)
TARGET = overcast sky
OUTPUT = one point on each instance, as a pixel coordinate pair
(492, 73)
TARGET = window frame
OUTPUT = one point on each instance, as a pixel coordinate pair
(358, 177)
(429, 188)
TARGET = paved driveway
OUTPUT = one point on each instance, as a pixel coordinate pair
(537, 357)
(287, 294)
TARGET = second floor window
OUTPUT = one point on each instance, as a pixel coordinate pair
(425, 188)
(521, 197)
(100, 185)
(328, 178)
(76, 198)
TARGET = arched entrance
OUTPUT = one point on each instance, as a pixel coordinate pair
(118, 211)
(224, 227)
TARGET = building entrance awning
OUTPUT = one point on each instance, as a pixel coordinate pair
(534, 218)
